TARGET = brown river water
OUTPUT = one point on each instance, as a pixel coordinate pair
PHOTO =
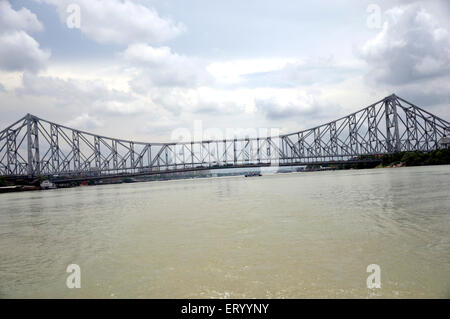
(298, 235)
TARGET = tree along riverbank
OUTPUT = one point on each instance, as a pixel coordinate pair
(399, 159)
(437, 157)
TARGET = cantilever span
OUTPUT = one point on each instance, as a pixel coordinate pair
(33, 146)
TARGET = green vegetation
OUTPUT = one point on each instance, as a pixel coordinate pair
(437, 157)
(415, 158)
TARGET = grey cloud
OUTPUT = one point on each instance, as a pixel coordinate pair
(218, 108)
(85, 121)
(411, 55)
(66, 89)
(411, 47)
(183, 100)
(79, 95)
(428, 93)
(19, 52)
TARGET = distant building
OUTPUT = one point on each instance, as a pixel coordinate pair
(445, 142)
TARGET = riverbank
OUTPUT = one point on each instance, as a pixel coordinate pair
(399, 159)
(437, 157)
(18, 188)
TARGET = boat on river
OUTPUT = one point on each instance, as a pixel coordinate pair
(48, 185)
(253, 174)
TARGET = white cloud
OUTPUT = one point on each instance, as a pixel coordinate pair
(88, 95)
(69, 89)
(85, 122)
(164, 68)
(293, 104)
(282, 72)
(410, 56)
(234, 71)
(22, 19)
(18, 50)
(148, 88)
(120, 22)
(410, 47)
(203, 100)
(273, 104)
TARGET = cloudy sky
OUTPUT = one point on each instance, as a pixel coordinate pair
(142, 69)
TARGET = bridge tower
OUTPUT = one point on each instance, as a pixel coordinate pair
(33, 167)
(392, 127)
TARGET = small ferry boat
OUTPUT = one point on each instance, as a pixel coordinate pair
(253, 174)
(48, 185)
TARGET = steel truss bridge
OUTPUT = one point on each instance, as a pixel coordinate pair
(33, 146)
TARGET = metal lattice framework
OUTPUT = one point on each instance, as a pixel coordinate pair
(34, 146)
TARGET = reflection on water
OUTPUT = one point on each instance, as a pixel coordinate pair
(280, 236)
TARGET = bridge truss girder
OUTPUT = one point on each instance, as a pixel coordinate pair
(34, 146)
